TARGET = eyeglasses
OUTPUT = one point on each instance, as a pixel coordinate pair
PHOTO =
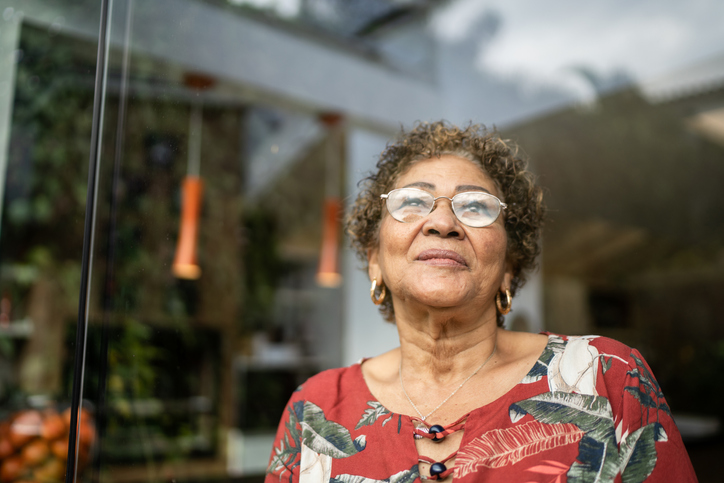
(473, 208)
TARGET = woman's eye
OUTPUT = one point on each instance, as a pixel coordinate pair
(477, 208)
(412, 202)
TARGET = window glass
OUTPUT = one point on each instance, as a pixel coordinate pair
(232, 137)
(46, 105)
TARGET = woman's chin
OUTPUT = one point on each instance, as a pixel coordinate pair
(449, 289)
(442, 299)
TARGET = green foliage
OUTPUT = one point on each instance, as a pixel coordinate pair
(404, 476)
(372, 413)
(286, 456)
(540, 368)
(590, 413)
(597, 461)
(638, 454)
(606, 364)
(132, 360)
(328, 437)
(648, 392)
(599, 458)
(49, 149)
(263, 268)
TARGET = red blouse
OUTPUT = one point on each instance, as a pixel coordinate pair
(589, 410)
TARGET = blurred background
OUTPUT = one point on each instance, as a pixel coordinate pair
(229, 137)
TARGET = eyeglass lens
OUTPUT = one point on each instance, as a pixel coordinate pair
(473, 208)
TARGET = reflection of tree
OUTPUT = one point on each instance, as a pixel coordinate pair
(46, 188)
(49, 153)
(262, 268)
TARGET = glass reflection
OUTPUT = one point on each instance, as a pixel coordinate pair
(618, 106)
(46, 98)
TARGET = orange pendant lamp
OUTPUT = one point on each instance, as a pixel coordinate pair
(185, 265)
(328, 273)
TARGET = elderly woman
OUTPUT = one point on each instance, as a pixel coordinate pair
(447, 226)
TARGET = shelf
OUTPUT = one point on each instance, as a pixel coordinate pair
(17, 329)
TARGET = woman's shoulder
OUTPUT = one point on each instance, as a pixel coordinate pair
(329, 376)
(328, 386)
(608, 365)
(601, 344)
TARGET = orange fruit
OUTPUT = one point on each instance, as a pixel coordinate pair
(83, 416)
(53, 470)
(24, 427)
(66, 417)
(53, 426)
(6, 449)
(11, 469)
(86, 427)
(86, 434)
(35, 452)
(59, 448)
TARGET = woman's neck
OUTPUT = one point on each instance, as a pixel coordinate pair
(443, 347)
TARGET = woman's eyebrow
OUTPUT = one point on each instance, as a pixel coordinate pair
(420, 184)
(458, 189)
(470, 187)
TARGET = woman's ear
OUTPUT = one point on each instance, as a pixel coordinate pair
(373, 265)
(507, 279)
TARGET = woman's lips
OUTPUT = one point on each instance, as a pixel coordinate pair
(442, 258)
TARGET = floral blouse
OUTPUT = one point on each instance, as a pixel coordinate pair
(589, 410)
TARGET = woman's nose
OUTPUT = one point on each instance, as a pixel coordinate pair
(442, 221)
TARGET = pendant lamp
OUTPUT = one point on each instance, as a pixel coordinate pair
(185, 265)
(328, 273)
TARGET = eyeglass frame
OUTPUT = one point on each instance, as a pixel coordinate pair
(503, 206)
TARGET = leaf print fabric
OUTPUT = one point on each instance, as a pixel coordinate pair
(314, 466)
(589, 410)
(372, 414)
(327, 437)
(575, 368)
(503, 447)
(406, 476)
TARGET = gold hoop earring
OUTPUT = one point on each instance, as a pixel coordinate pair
(508, 302)
(383, 292)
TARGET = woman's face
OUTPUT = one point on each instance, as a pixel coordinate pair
(437, 260)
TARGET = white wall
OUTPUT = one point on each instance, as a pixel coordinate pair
(528, 306)
(365, 333)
